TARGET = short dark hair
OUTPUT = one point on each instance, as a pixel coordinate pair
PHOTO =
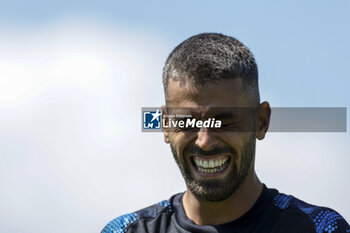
(209, 57)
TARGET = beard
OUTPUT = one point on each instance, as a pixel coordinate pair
(216, 189)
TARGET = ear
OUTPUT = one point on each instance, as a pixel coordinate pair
(165, 119)
(263, 120)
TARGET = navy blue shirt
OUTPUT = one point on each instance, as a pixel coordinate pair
(273, 212)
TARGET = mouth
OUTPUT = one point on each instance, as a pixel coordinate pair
(210, 166)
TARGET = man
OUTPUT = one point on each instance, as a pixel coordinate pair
(213, 76)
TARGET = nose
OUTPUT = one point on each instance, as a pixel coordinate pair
(206, 140)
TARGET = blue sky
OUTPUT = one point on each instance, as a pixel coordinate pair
(75, 74)
(296, 43)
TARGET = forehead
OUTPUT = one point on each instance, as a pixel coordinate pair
(223, 93)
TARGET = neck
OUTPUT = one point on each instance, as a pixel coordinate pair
(215, 213)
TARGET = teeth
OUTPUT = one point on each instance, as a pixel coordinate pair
(205, 164)
(210, 166)
(204, 170)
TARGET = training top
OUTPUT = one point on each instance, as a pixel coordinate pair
(273, 212)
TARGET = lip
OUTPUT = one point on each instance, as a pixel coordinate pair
(217, 174)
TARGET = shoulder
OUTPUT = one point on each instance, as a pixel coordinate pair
(321, 219)
(122, 223)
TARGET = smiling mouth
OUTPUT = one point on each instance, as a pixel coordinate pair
(209, 165)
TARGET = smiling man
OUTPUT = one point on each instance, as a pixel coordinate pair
(214, 77)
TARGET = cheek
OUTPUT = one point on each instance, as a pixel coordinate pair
(233, 139)
(180, 140)
(237, 142)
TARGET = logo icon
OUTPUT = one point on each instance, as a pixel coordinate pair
(152, 119)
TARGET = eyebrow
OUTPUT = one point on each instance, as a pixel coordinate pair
(224, 115)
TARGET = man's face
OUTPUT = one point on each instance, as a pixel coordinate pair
(213, 162)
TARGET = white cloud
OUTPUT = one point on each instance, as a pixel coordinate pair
(70, 101)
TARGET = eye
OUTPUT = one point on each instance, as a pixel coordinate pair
(184, 131)
(226, 125)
